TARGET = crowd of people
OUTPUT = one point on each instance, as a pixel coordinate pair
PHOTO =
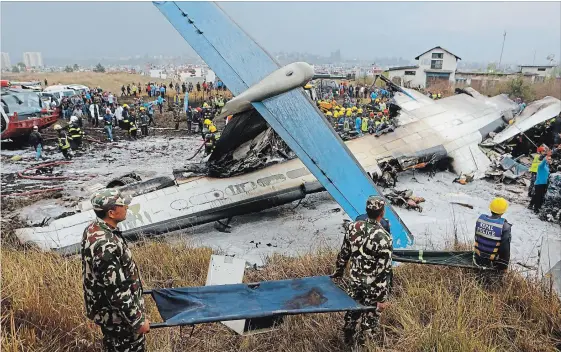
(357, 116)
(154, 89)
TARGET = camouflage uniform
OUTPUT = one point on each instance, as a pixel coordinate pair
(111, 281)
(368, 247)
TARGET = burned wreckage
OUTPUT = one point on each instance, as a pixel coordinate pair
(252, 168)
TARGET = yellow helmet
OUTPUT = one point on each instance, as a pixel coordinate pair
(207, 122)
(308, 86)
(498, 206)
(360, 111)
(57, 127)
(212, 128)
(354, 108)
(329, 113)
(142, 108)
(349, 113)
(125, 106)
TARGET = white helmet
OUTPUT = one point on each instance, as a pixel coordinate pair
(73, 118)
(57, 127)
(36, 128)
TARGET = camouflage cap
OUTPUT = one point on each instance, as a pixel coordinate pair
(375, 203)
(106, 199)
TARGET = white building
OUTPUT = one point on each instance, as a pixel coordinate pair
(435, 65)
(5, 62)
(33, 59)
(537, 73)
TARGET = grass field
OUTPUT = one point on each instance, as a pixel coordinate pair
(433, 308)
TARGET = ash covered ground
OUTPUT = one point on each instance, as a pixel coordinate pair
(289, 229)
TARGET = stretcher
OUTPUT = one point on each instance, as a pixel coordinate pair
(207, 304)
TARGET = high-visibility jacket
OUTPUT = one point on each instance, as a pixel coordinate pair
(488, 236)
(75, 132)
(63, 143)
(535, 163)
(364, 126)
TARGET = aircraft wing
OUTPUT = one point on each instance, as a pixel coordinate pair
(534, 114)
(241, 63)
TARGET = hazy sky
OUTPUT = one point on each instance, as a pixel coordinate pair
(471, 30)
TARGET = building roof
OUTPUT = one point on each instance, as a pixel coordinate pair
(397, 68)
(438, 47)
(537, 65)
(486, 73)
(432, 70)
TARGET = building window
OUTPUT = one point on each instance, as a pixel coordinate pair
(437, 55)
(541, 69)
(410, 73)
(436, 64)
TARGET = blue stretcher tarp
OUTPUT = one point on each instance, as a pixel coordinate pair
(207, 304)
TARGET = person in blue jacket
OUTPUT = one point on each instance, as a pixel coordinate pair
(358, 123)
(540, 185)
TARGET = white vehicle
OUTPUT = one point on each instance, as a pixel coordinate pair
(79, 88)
(60, 91)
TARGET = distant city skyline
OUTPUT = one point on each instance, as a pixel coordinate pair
(365, 30)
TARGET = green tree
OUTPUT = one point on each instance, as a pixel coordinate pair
(75, 67)
(518, 88)
(99, 68)
(68, 69)
(21, 66)
(492, 67)
(15, 69)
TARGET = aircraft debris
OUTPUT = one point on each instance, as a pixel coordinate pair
(551, 208)
(463, 204)
(405, 199)
(464, 178)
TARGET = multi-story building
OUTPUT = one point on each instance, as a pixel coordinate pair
(5, 62)
(33, 59)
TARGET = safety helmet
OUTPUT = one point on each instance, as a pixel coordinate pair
(360, 111)
(498, 206)
(57, 127)
(349, 113)
(354, 108)
(142, 108)
(329, 113)
(212, 128)
(73, 118)
(125, 106)
(371, 114)
(207, 122)
(35, 128)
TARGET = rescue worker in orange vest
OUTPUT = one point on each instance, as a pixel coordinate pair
(492, 238)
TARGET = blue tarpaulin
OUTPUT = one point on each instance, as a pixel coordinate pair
(207, 304)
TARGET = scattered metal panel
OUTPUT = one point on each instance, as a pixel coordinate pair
(550, 262)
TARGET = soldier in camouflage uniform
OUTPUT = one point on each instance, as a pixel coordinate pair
(111, 281)
(368, 247)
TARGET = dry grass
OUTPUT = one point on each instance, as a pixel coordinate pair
(434, 309)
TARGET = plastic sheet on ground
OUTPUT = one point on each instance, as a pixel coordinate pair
(196, 305)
